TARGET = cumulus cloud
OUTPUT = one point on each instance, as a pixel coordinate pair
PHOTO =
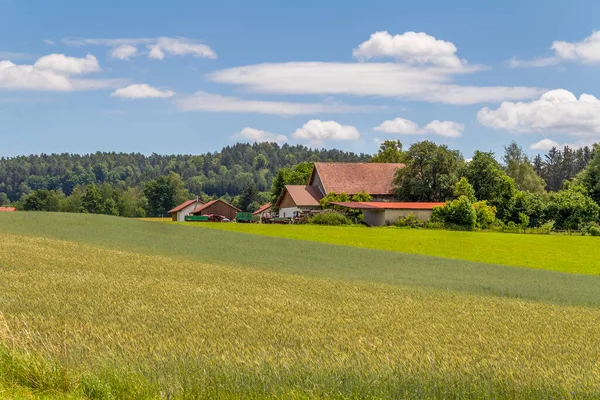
(202, 101)
(53, 73)
(142, 91)
(61, 64)
(404, 126)
(557, 111)
(586, 51)
(158, 47)
(432, 84)
(257, 135)
(316, 132)
(123, 52)
(411, 47)
(545, 144)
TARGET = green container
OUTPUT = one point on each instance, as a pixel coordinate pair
(196, 218)
(243, 217)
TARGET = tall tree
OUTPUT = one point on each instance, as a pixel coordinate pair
(520, 169)
(590, 177)
(248, 196)
(92, 200)
(430, 174)
(390, 151)
(297, 175)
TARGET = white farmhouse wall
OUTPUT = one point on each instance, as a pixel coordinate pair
(287, 212)
(186, 211)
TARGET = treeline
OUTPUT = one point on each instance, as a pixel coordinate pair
(483, 191)
(121, 178)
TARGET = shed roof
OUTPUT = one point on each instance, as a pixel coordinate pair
(184, 205)
(7, 209)
(210, 203)
(262, 208)
(305, 196)
(381, 205)
(352, 178)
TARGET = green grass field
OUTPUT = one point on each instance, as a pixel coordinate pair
(573, 254)
(103, 307)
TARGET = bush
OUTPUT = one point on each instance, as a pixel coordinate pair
(410, 220)
(594, 230)
(330, 218)
(486, 215)
(458, 213)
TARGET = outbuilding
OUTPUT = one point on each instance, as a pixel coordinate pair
(179, 213)
(217, 207)
(386, 213)
(263, 211)
(297, 198)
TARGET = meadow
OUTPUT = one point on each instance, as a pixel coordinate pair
(103, 307)
(574, 254)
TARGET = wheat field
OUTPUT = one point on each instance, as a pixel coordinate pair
(83, 320)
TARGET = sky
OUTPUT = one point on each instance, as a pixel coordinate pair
(194, 76)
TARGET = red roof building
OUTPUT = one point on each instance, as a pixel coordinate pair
(384, 213)
(265, 208)
(7, 209)
(218, 207)
(181, 211)
(296, 198)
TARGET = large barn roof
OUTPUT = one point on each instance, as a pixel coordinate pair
(381, 205)
(304, 196)
(210, 203)
(352, 178)
(184, 205)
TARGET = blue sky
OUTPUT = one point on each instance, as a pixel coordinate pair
(191, 77)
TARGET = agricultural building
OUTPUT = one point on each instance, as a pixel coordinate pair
(376, 179)
(382, 213)
(217, 207)
(7, 209)
(296, 198)
(263, 211)
(181, 211)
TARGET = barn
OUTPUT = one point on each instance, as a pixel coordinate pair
(181, 211)
(217, 207)
(385, 213)
(263, 211)
(296, 198)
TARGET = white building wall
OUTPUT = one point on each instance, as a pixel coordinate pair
(186, 211)
(388, 217)
(287, 212)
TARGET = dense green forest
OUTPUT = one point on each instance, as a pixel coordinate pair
(135, 185)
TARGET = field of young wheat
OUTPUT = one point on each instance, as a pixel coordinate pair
(102, 307)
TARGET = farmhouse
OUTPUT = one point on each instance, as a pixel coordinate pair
(263, 211)
(217, 207)
(376, 179)
(383, 213)
(181, 211)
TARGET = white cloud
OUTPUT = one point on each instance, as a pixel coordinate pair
(202, 101)
(399, 125)
(123, 52)
(179, 47)
(316, 131)
(432, 84)
(412, 47)
(49, 42)
(557, 111)
(256, 135)
(445, 128)
(158, 47)
(53, 73)
(545, 144)
(142, 91)
(61, 64)
(13, 55)
(404, 126)
(586, 51)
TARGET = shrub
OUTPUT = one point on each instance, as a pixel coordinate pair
(330, 218)
(524, 220)
(486, 215)
(410, 220)
(594, 230)
(571, 208)
(458, 213)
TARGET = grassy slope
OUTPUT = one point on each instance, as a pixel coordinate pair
(573, 254)
(141, 324)
(306, 258)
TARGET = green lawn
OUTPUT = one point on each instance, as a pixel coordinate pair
(104, 307)
(573, 254)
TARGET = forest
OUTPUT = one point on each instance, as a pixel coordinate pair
(248, 175)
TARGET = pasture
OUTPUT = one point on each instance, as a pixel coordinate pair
(573, 254)
(104, 307)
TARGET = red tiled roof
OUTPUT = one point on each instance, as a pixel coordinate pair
(352, 178)
(382, 205)
(302, 195)
(262, 208)
(7, 209)
(210, 203)
(183, 205)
